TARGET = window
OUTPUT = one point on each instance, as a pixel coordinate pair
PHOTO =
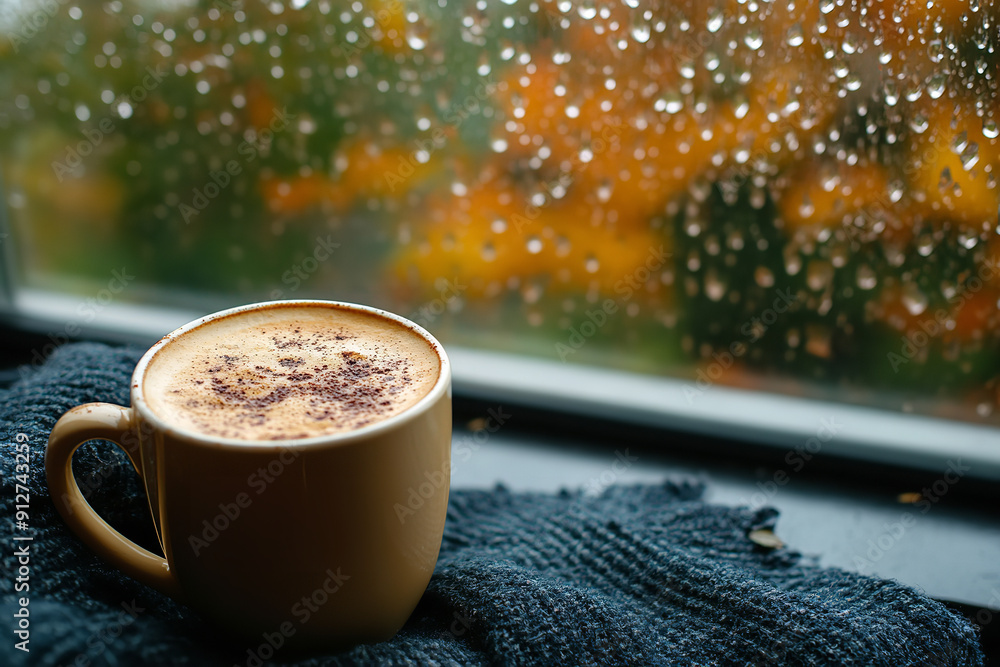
(789, 198)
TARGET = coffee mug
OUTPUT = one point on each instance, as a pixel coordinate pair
(297, 541)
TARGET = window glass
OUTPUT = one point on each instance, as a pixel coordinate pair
(786, 196)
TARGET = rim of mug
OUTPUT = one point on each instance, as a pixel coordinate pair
(441, 386)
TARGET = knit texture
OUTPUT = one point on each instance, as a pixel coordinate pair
(637, 575)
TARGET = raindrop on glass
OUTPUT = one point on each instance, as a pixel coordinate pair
(990, 128)
(753, 39)
(935, 85)
(715, 287)
(764, 276)
(715, 20)
(670, 102)
(866, 277)
(970, 156)
(914, 300)
(641, 32)
(918, 123)
(794, 35)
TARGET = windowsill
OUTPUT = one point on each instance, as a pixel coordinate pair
(783, 422)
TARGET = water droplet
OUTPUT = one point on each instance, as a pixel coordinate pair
(990, 128)
(936, 50)
(913, 299)
(793, 261)
(715, 287)
(794, 35)
(925, 245)
(968, 241)
(641, 32)
(670, 102)
(632, 4)
(960, 141)
(499, 145)
(895, 190)
(866, 277)
(307, 125)
(763, 276)
(819, 274)
(945, 181)
(753, 39)
(715, 20)
(604, 191)
(918, 123)
(484, 67)
(700, 189)
(534, 245)
(416, 39)
(806, 208)
(498, 226)
(742, 106)
(935, 85)
(591, 264)
(970, 156)
(891, 93)
(587, 10)
(826, 6)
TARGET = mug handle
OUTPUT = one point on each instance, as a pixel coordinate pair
(100, 421)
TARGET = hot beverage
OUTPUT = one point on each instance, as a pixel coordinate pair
(290, 372)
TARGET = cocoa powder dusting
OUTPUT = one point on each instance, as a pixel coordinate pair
(347, 393)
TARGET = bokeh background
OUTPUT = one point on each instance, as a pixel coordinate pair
(790, 196)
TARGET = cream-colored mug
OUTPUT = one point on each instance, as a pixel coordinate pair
(298, 541)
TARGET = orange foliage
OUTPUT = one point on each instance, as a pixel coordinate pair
(934, 165)
(371, 172)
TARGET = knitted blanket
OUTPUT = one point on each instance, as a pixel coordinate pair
(638, 575)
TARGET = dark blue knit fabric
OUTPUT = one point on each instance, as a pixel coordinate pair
(639, 575)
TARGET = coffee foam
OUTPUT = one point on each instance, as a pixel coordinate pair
(289, 372)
